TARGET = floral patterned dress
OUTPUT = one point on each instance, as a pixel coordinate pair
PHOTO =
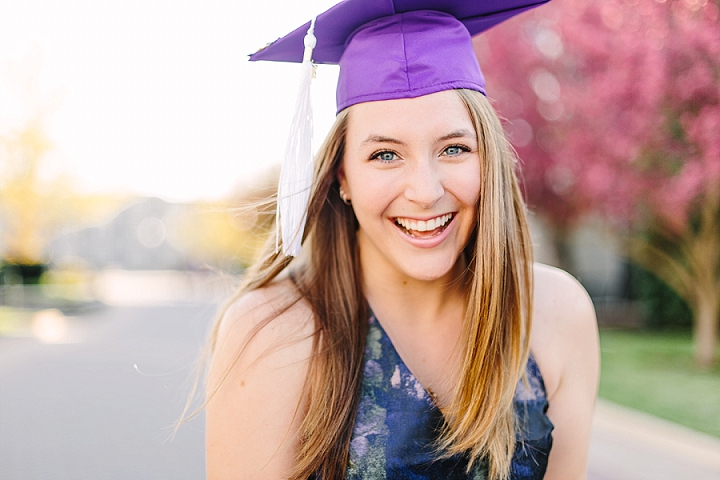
(397, 423)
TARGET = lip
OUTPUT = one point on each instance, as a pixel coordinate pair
(429, 242)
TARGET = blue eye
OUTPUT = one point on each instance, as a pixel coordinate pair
(384, 156)
(454, 150)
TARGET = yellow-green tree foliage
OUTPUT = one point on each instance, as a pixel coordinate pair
(228, 234)
(21, 202)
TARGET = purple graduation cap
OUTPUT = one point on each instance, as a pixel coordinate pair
(390, 49)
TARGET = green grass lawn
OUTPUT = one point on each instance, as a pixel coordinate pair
(655, 373)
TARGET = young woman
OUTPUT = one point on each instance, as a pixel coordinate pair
(413, 337)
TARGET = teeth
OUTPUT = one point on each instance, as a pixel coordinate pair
(423, 225)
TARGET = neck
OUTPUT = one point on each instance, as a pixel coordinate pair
(397, 298)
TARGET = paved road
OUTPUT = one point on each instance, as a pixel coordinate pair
(102, 405)
(629, 445)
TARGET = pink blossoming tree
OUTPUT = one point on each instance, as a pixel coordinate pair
(620, 114)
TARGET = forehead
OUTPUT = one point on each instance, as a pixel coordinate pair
(434, 114)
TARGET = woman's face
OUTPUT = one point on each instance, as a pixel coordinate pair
(412, 171)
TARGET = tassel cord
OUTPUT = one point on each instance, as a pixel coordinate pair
(297, 170)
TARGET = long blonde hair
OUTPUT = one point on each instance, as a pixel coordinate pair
(494, 342)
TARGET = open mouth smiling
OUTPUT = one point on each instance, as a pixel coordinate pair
(424, 228)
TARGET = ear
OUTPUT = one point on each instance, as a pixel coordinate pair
(341, 177)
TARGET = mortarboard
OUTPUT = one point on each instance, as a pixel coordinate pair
(386, 49)
(381, 44)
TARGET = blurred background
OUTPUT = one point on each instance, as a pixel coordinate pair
(137, 146)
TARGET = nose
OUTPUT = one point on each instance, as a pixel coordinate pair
(424, 183)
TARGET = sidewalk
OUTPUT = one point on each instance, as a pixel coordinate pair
(631, 445)
(160, 287)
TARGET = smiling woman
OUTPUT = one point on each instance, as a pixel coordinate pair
(408, 339)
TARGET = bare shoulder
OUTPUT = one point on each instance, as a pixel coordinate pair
(561, 304)
(265, 317)
(564, 342)
(564, 323)
(255, 384)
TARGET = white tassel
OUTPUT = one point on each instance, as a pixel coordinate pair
(297, 169)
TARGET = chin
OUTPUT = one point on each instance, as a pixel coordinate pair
(429, 271)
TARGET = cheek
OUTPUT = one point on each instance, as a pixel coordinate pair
(371, 189)
(466, 185)
(372, 200)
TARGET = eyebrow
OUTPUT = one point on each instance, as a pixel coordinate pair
(457, 134)
(463, 133)
(381, 139)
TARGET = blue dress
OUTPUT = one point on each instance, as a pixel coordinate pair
(397, 423)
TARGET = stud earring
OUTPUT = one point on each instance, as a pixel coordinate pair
(344, 196)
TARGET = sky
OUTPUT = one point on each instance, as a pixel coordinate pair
(157, 97)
